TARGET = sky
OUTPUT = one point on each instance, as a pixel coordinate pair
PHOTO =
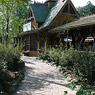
(76, 3)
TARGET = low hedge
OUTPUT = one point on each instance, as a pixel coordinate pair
(79, 63)
(11, 69)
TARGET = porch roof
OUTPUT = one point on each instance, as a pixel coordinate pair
(82, 22)
(29, 32)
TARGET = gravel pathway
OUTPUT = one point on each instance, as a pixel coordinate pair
(42, 79)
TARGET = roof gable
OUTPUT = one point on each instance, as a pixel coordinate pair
(40, 12)
(52, 14)
(69, 9)
(30, 14)
(72, 8)
(59, 7)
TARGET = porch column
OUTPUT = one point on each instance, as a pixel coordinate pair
(73, 40)
(67, 40)
(21, 43)
(46, 42)
(29, 43)
(24, 43)
(38, 42)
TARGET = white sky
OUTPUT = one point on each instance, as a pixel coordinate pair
(76, 3)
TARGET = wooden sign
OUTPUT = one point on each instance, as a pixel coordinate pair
(27, 27)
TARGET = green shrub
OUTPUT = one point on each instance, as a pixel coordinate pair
(85, 66)
(54, 55)
(44, 54)
(68, 58)
(11, 57)
(9, 64)
(80, 63)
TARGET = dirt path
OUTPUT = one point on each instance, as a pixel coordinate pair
(42, 79)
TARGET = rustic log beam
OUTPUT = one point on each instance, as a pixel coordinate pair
(38, 42)
(29, 42)
(46, 42)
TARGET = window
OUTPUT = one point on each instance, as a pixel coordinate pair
(42, 42)
(33, 42)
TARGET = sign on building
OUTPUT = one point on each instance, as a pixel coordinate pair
(27, 27)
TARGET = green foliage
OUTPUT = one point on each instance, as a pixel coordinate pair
(12, 59)
(44, 54)
(13, 15)
(9, 64)
(9, 58)
(86, 10)
(54, 55)
(83, 90)
(79, 63)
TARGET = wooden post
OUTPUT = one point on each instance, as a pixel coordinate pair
(73, 40)
(19, 42)
(46, 42)
(67, 41)
(29, 43)
(38, 42)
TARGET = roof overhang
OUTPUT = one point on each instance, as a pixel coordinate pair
(80, 23)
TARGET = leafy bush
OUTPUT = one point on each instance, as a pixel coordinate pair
(11, 56)
(85, 66)
(44, 54)
(80, 63)
(54, 55)
(9, 64)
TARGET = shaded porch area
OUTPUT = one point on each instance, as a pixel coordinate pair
(31, 42)
(78, 31)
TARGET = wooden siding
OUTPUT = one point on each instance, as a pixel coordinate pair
(62, 19)
(38, 42)
(34, 25)
(33, 53)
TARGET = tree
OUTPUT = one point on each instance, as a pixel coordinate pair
(86, 10)
(19, 17)
(7, 9)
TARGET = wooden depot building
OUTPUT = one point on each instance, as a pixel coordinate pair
(41, 19)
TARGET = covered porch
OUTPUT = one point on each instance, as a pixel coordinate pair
(78, 31)
(31, 42)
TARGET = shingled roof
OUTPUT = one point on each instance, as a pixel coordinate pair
(53, 13)
(40, 12)
(51, 0)
(84, 21)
